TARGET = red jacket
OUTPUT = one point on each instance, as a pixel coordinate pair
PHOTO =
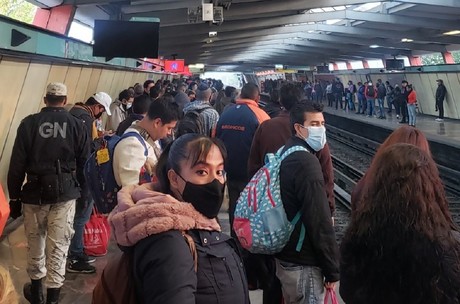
(412, 97)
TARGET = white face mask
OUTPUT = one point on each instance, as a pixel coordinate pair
(316, 137)
(129, 105)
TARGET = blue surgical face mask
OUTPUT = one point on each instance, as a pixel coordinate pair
(316, 137)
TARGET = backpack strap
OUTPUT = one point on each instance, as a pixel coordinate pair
(294, 221)
(139, 137)
(192, 246)
(298, 214)
(292, 150)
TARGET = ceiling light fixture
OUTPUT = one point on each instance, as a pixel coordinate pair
(406, 40)
(374, 46)
(454, 32)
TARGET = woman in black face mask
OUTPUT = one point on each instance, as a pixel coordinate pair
(179, 253)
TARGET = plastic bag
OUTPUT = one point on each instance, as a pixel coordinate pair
(97, 234)
(330, 294)
(4, 210)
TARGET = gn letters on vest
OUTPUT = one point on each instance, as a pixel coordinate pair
(99, 172)
(48, 130)
(260, 223)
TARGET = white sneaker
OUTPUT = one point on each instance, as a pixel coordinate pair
(439, 119)
(397, 116)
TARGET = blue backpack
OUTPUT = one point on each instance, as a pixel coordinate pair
(99, 172)
(260, 223)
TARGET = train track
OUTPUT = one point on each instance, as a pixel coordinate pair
(346, 176)
(450, 177)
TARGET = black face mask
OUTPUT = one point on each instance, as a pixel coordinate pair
(207, 199)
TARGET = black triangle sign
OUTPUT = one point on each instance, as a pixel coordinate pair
(18, 38)
(138, 64)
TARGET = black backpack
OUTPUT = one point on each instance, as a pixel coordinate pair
(370, 91)
(192, 122)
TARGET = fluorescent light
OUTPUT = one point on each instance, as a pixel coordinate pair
(333, 21)
(339, 8)
(317, 10)
(406, 40)
(367, 7)
(328, 9)
(196, 66)
(454, 32)
(374, 46)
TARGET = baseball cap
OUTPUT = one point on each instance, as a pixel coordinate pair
(203, 87)
(56, 89)
(105, 100)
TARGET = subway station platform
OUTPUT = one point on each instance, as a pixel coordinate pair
(77, 288)
(447, 132)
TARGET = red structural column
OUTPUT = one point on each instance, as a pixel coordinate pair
(448, 59)
(57, 19)
(349, 67)
(366, 64)
(415, 61)
(335, 66)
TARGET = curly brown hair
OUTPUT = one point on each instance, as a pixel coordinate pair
(401, 245)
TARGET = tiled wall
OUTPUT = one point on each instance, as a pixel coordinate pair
(23, 84)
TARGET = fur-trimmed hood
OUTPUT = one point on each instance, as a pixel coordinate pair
(142, 211)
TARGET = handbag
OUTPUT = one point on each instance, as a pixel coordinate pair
(4, 210)
(330, 294)
(97, 234)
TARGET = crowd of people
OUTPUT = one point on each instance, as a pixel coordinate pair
(368, 98)
(182, 143)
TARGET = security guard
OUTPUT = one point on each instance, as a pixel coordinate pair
(50, 148)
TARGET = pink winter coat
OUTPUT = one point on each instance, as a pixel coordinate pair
(142, 211)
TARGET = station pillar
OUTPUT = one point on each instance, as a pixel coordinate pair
(349, 67)
(415, 61)
(335, 66)
(448, 59)
(57, 19)
(366, 64)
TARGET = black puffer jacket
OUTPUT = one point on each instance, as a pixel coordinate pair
(164, 273)
(303, 189)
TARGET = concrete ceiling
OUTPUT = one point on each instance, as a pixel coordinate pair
(257, 34)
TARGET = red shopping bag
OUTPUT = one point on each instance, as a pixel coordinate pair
(97, 234)
(330, 294)
(4, 210)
